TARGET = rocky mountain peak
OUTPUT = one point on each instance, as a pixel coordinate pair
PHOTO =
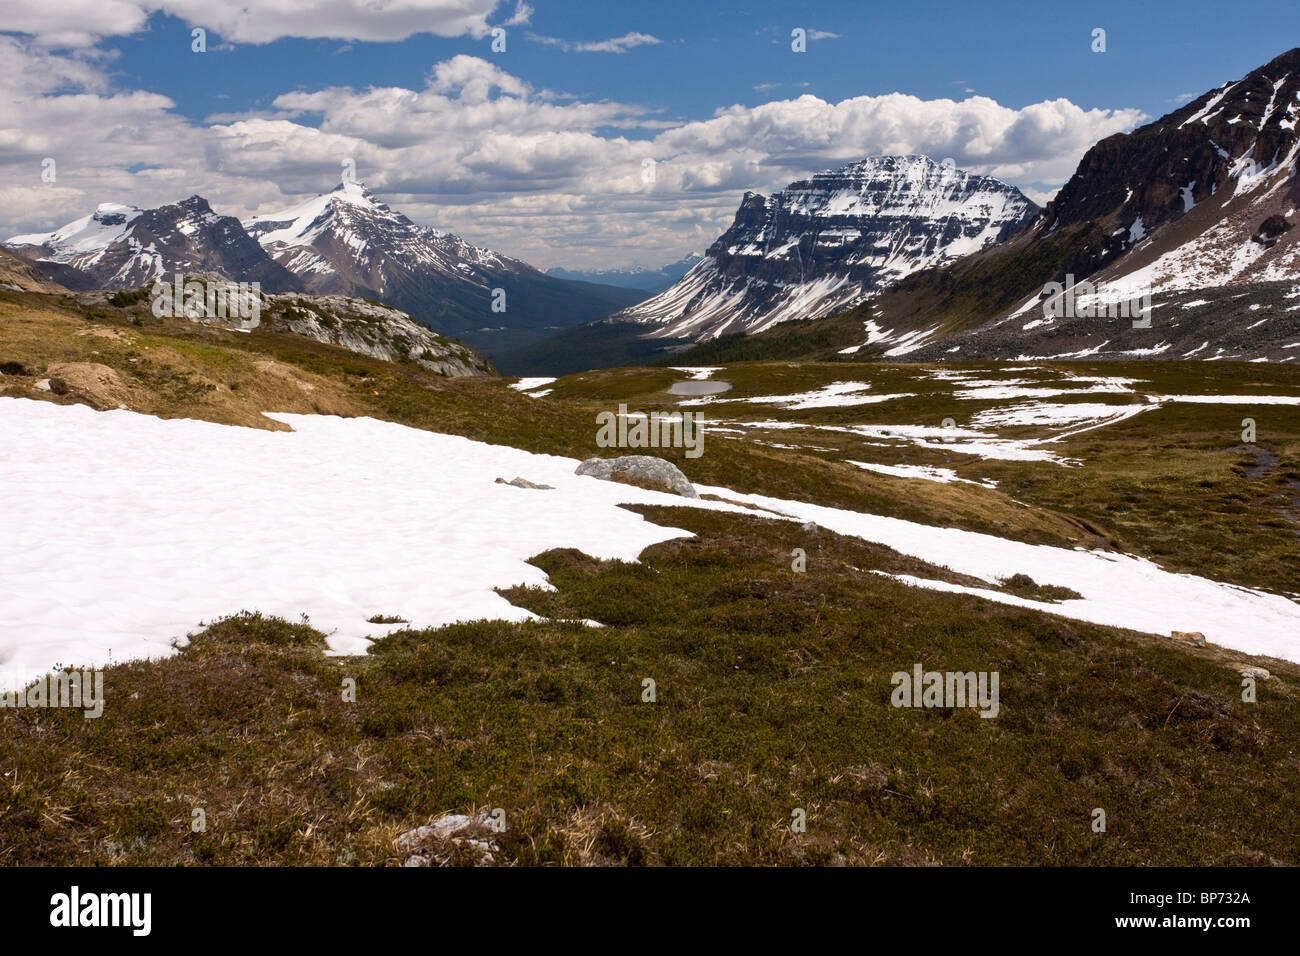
(830, 241)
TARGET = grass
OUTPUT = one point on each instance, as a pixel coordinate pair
(772, 686)
(772, 694)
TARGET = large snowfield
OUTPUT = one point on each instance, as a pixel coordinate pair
(125, 532)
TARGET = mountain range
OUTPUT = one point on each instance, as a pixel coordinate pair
(345, 242)
(125, 247)
(923, 259)
(640, 278)
(902, 256)
(1196, 208)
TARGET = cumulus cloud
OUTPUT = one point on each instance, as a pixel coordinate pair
(548, 178)
(263, 22)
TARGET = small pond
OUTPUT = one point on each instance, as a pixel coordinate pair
(698, 387)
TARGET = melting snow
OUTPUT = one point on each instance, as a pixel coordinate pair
(135, 529)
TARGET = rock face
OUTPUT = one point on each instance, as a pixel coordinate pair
(124, 247)
(1203, 199)
(1224, 144)
(828, 242)
(644, 471)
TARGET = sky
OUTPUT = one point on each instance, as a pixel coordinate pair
(574, 134)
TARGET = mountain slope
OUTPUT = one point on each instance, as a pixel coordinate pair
(1203, 198)
(124, 247)
(348, 242)
(828, 242)
(21, 276)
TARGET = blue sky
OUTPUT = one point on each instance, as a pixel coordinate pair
(546, 163)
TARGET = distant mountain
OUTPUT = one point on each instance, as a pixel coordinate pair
(345, 242)
(125, 247)
(349, 242)
(649, 281)
(1204, 198)
(828, 242)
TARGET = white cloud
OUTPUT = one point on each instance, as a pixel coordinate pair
(522, 15)
(614, 45)
(262, 22)
(482, 152)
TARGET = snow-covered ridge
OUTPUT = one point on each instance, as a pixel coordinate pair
(89, 235)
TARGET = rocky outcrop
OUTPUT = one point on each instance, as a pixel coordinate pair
(1156, 174)
(18, 275)
(364, 326)
(456, 837)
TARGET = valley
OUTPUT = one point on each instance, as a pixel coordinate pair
(437, 438)
(1057, 519)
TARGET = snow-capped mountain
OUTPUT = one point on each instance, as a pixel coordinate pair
(1199, 202)
(828, 242)
(348, 239)
(1202, 198)
(349, 242)
(125, 247)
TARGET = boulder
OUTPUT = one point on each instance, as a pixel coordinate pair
(96, 385)
(644, 471)
(1194, 638)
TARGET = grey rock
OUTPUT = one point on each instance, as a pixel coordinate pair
(641, 469)
(525, 483)
(1247, 670)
